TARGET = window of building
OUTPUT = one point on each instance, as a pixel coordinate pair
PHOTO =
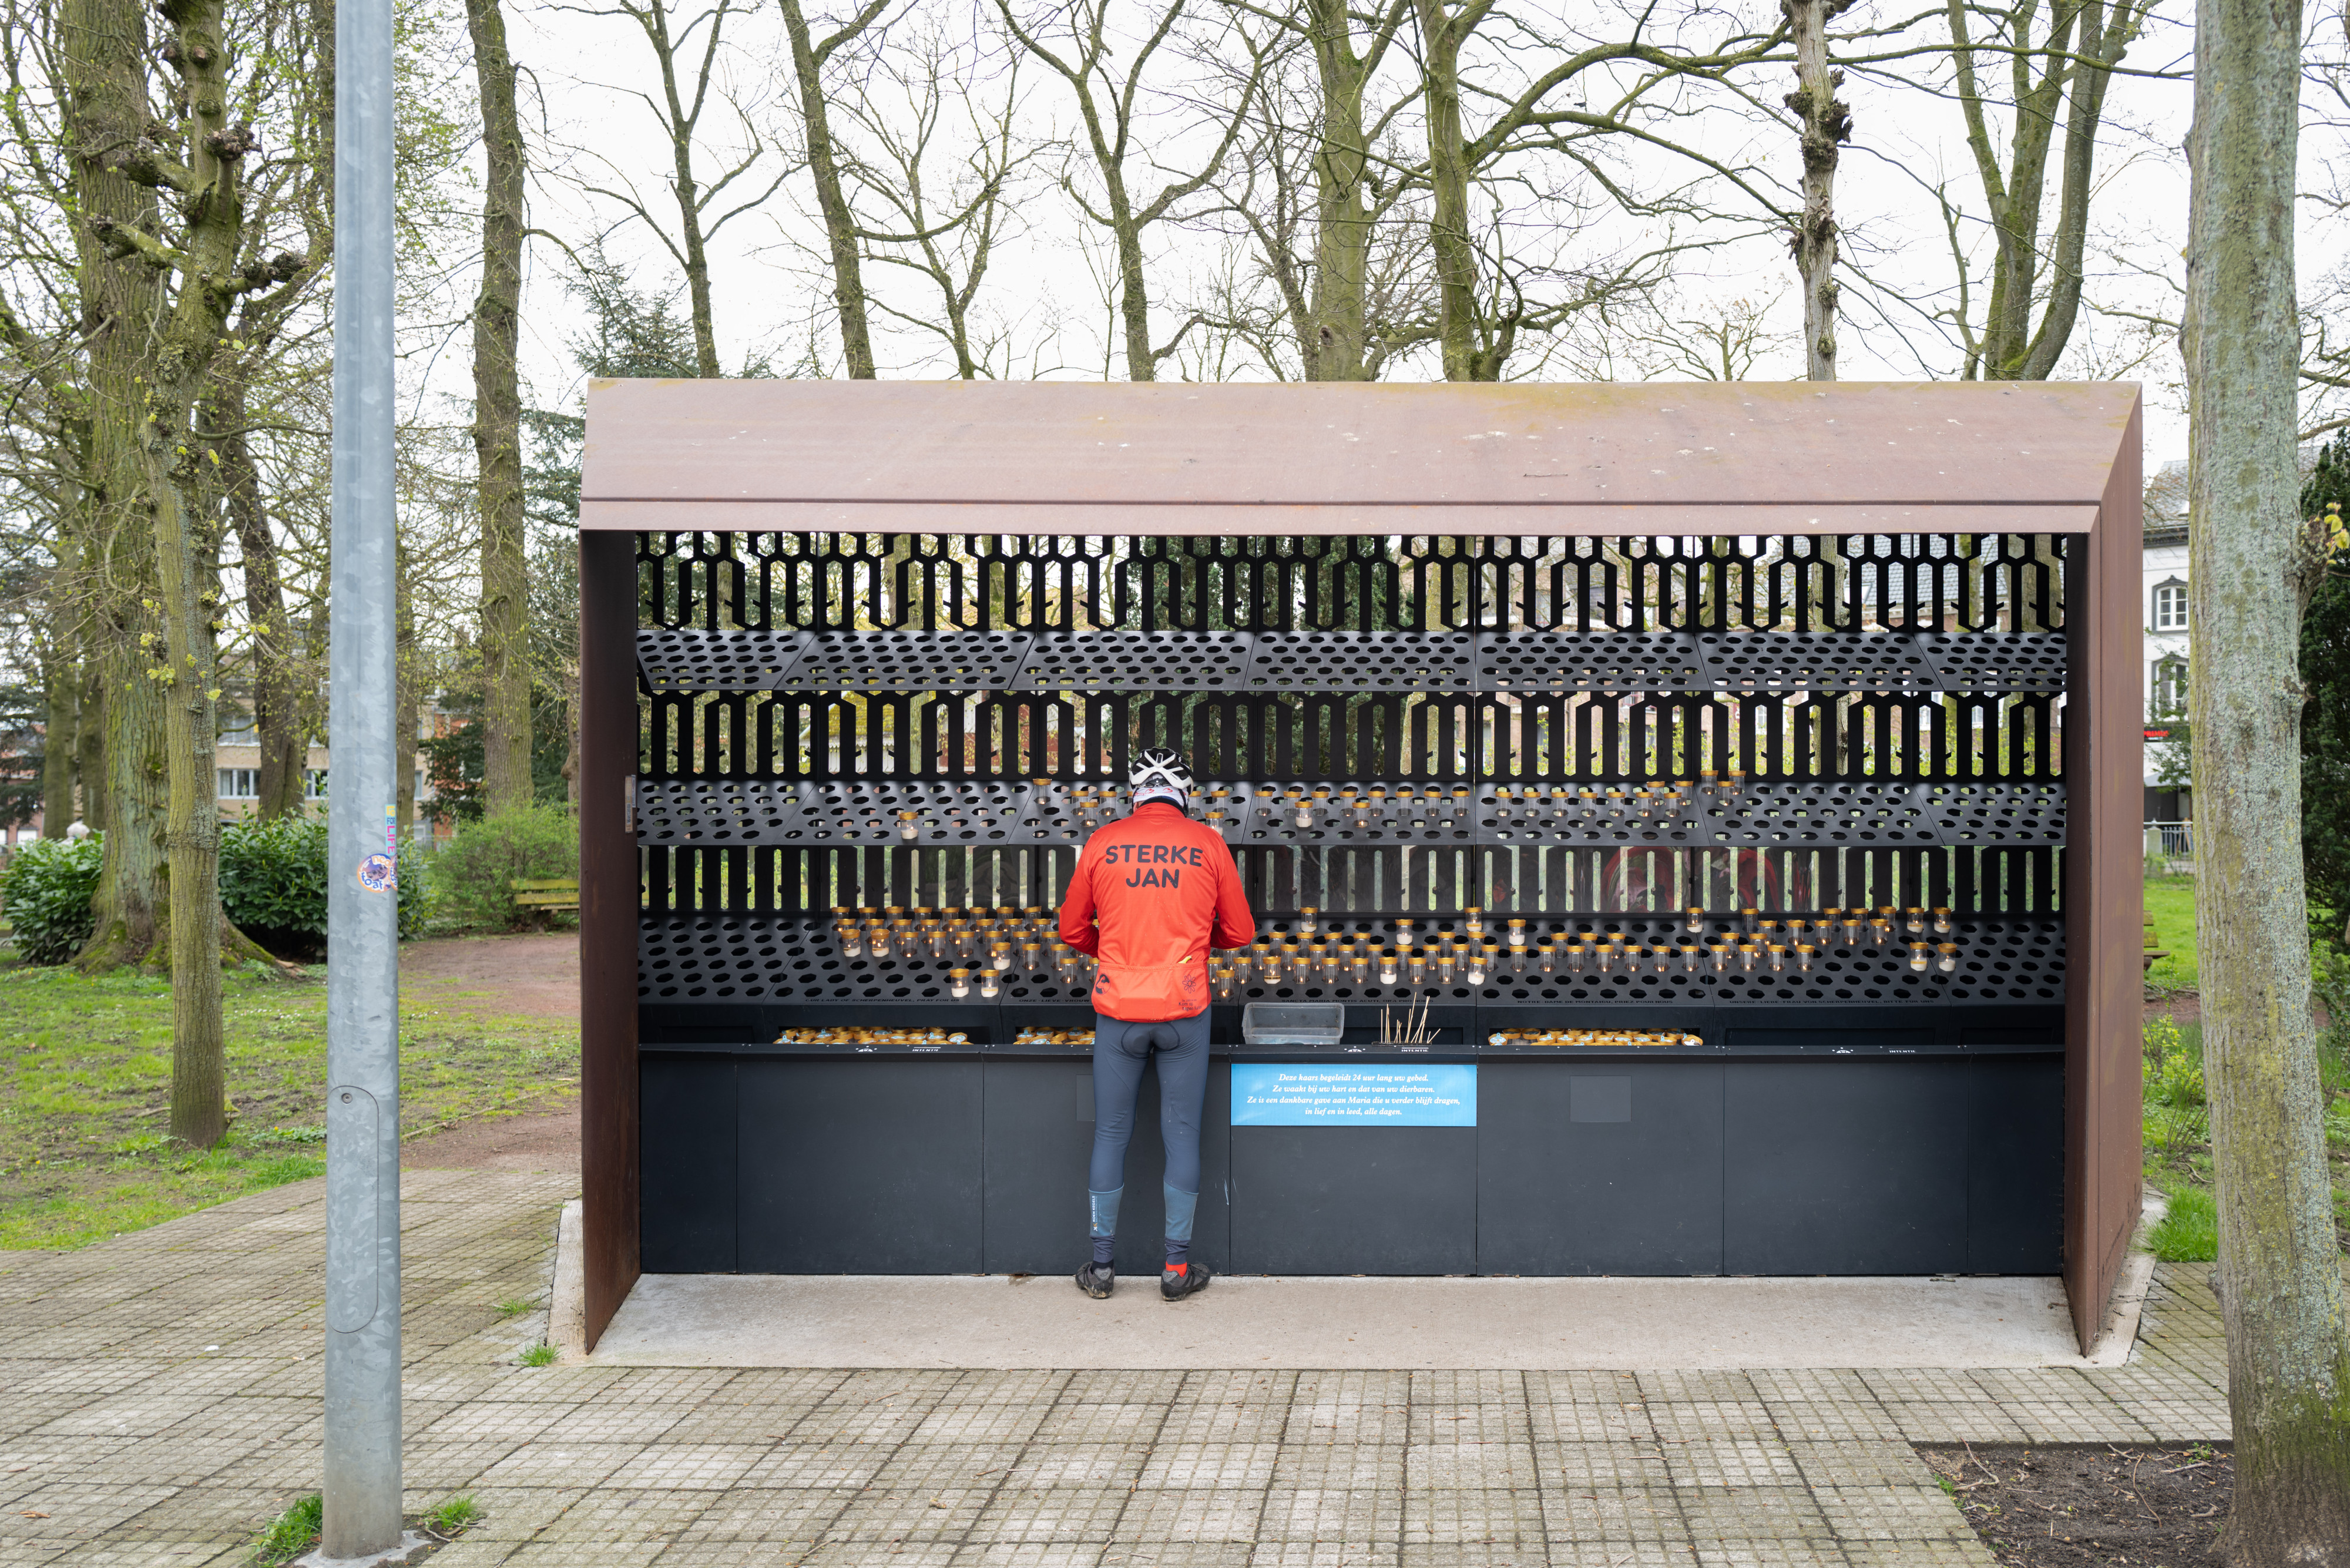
(314, 783)
(2170, 605)
(2170, 686)
(240, 784)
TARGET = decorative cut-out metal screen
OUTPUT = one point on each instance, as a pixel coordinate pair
(1565, 728)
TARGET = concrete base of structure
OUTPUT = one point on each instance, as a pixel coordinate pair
(413, 1548)
(717, 1320)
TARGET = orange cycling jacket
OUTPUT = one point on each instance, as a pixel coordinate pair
(1150, 895)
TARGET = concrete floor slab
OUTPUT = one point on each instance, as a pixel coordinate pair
(993, 1321)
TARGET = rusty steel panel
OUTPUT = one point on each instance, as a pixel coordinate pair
(2105, 744)
(608, 924)
(1091, 458)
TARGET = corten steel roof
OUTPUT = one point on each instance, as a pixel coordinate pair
(1070, 457)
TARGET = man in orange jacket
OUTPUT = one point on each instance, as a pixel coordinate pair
(1150, 895)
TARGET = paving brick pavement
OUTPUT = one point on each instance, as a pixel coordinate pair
(160, 1401)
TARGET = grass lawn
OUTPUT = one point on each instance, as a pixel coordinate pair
(85, 1087)
(2178, 1131)
(2170, 904)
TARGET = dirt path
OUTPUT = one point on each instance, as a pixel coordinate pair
(535, 976)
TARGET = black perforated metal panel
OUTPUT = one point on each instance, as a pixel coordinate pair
(1997, 813)
(1999, 660)
(1814, 661)
(912, 661)
(1538, 661)
(1760, 815)
(719, 811)
(1363, 661)
(1364, 813)
(716, 661)
(1137, 661)
(713, 959)
(1598, 815)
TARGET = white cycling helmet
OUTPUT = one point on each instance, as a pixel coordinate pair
(1159, 772)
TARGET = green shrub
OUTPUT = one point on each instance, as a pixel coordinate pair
(273, 882)
(46, 890)
(2189, 1234)
(2174, 1069)
(471, 877)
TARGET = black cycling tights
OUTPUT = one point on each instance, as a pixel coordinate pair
(1121, 1051)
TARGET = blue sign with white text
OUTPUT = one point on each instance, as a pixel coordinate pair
(1353, 1095)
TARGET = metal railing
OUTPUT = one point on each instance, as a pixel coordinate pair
(2171, 839)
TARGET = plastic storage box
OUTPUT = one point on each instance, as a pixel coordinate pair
(1293, 1023)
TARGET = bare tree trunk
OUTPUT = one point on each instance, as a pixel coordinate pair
(280, 714)
(181, 501)
(104, 49)
(403, 707)
(1336, 349)
(497, 428)
(808, 58)
(89, 748)
(2255, 563)
(61, 687)
(1440, 35)
(1827, 125)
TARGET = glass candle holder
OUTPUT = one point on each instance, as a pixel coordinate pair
(1915, 920)
(1748, 919)
(990, 983)
(1852, 925)
(999, 956)
(1546, 957)
(1920, 955)
(1032, 958)
(1604, 953)
(1403, 934)
(1576, 959)
(1477, 968)
(1941, 920)
(1778, 957)
(910, 826)
(1444, 966)
(1806, 956)
(1880, 932)
(959, 983)
(852, 942)
(1386, 967)
(1946, 957)
(1415, 971)
(1691, 958)
(1358, 965)
(1307, 917)
(1693, 922)
(1719, 956)
(1797, 929)
(1661, 960)
(1748, 956)
(1475, 918)
(1518, 934)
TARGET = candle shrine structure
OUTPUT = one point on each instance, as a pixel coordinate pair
(1710, 805)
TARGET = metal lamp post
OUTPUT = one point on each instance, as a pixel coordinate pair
(362, 1363)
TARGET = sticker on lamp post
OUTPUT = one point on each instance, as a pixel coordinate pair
(379, 873)
(1353, 1095)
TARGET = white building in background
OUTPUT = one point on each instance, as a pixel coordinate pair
(2162, 604)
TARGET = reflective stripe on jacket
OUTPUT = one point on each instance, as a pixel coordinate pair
(1150, 895)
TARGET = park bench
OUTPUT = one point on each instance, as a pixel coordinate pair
(545, 895)
(2153, 951)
